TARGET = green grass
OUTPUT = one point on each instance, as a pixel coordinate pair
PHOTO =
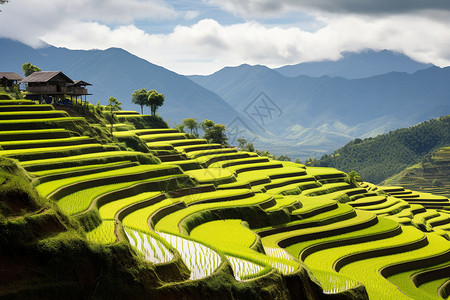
(17, 102)
(80, 201)
(214, 196)
(196, 154)
(20, 144)
(241, 161)
(75, 169)
(162, 137)
(48, 187)
(15, 115)
(373, 232)
(326, 259)
(151, 131)
(284, 201)
(324, 171)
(432, 287)
(240, 169)
(169, 224)
(109, 210)
(204, 176)
(425, 291)
(25, 107)
(333, 282)
(377, 286)
(225, 234)
(234, 240)
(313, 235)
(32, 122)
(103, 234)
(209, 159)
(29, 135)
(84, 160)
(139, 218)
(45, 149)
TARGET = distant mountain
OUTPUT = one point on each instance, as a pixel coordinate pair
(326, 112)
(117, 73)
(300, 116)
(356, 65)
(388, 154)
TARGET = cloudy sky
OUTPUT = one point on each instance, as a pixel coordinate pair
(202, 36)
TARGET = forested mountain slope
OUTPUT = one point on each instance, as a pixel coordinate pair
(431, 175)
(376, 159)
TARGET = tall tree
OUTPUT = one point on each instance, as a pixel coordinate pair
(241, 142)
(140, 97)
(214, 133)
(154, 101)
(29, 69)
(206, 125)
(192, 125)
(113, 105)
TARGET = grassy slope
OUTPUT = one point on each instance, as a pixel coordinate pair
(66, 236)
(430, 175)
(401, 148)
(46, 254)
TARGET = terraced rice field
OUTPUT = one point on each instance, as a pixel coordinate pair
(213, 206)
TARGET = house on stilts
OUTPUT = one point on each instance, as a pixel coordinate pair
(53, 87)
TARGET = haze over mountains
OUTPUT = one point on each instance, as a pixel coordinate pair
(297, 115)
(356, 65)
(322, 112)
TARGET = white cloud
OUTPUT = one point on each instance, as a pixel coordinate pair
(365, 7)
(27, 21)
(207, 45)
(191, 14)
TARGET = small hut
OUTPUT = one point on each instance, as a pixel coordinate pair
(9, 79)
(50, 85)
(78, 89)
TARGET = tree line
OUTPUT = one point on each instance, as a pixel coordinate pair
(378, 158)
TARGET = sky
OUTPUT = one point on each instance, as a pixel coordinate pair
(203, 36)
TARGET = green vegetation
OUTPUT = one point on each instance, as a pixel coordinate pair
(152, 99)
(29, 69)
(140, 210)
(430, 175)
(192, 125)
(401, 148)
(214, 133)
(113, 105)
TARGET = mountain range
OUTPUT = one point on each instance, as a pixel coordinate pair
(356, 65)
(286, 111)
(117, 73)
(319, 113)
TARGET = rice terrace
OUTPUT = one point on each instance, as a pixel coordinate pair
(122, 206)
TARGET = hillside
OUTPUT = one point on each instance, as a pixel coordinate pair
(311, 115)
(324, 113)
(376, 159)
(151, 212)
(430, 175)
(117, 73)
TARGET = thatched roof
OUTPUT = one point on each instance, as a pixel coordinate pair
(46, 76)
(10, 76)
(79, 83)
